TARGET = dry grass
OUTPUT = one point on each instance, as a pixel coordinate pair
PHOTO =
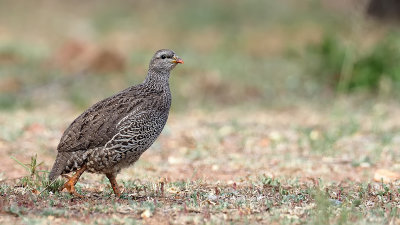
(299, 165)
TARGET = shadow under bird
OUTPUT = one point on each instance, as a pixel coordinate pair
(113, 133)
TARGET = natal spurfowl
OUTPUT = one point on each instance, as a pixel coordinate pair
(113, 133)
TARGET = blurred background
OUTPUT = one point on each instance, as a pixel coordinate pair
(289, 78)
(237, 53)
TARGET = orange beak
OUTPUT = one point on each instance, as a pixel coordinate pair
(177, 60)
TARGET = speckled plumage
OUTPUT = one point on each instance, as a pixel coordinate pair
(113, 133)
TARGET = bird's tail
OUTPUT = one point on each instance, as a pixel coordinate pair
(59, 165)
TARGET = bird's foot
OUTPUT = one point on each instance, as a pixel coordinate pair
(117, 193)
(70, 184)
(70, 187)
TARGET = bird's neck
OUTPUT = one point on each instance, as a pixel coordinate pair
(157, 80)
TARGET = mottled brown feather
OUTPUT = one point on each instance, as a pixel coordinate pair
(114, 132)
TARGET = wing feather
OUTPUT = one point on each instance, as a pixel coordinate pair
(98, 124)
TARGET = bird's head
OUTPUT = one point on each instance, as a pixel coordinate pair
(164, 60)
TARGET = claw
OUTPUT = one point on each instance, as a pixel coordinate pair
(70, 184)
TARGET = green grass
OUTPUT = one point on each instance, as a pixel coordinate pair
(344, 67)
(265, 200)
(37, 181)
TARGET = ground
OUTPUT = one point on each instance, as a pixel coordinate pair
(298, 165)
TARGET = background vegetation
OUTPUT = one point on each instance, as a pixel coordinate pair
(284, 111)
(252, 52)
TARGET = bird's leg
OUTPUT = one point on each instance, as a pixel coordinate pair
(70, 184)
(111, 177)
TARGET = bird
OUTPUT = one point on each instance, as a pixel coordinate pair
(113, 133)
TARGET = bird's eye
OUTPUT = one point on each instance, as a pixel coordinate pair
(163, 56)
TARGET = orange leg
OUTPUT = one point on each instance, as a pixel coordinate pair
(114, 185)
(70, 184)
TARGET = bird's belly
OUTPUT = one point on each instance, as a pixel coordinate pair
(122, 152)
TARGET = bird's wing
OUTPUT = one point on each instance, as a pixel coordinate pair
(98, 124)
(134, 131)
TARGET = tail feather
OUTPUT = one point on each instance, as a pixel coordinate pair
(75, 159)
(59, 165)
